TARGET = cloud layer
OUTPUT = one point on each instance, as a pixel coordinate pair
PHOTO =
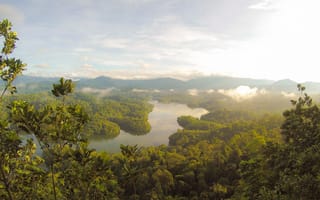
(143, 38)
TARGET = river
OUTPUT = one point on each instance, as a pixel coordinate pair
(163, 120)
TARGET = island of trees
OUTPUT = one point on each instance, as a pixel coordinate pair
(223, 155)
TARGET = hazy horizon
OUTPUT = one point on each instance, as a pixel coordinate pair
(259, 39)
(163, 76)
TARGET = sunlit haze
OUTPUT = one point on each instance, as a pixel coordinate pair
(270, 39)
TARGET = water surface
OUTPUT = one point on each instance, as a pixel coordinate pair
(163, 120)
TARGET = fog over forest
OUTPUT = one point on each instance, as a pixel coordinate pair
(159, 100)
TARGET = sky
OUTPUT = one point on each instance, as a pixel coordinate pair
(269, 39)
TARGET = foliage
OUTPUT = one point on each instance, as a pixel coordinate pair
(64, 88)
(289, 170)
(217, 103)
(19, 171)
(223, 155)
(10, 68)
(106, 116)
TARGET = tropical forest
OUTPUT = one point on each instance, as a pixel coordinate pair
(266, 147)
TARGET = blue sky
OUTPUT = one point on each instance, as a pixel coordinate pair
(273, 39)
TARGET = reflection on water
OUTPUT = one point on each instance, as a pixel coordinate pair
(163, 120)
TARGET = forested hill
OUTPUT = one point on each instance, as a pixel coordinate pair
(229, 153)
(36, 84)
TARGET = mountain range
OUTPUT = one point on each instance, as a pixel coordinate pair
(30, 84)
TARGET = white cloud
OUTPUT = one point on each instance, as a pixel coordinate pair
(116, 43)
(118, 62)
(288, 94)
(193, 92)
(289, 42)
(210, 91)
(12, 13)
(240, 93)
(178, 34)
(264, 5)
(100, 92)
(87, 66)
(164, 45)
(164, 41)
(139, 90)
(85, 58)
(81, 50)
(42, 65)
(263, 91)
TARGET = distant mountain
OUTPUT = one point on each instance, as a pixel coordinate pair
(34, 79)
(212, 82)
(34, 84)
(28, 84)
(313, 87)
(107, 82)
(225, 82)
(284, 85)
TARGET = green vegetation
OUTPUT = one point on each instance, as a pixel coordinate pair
(110, 114)
(107, 115)
(215, 101)
(224, 155)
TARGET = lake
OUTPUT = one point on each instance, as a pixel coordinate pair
(163, 120)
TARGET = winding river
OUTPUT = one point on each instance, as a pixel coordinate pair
(163, 120)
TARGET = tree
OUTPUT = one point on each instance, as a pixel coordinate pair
(87, 175)
(301, 131)
(301, 126)
(10, 68)
(71, 170)
(20, 174)
(288, 170)
(63, 88)
(130, 169)
(56, 127)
